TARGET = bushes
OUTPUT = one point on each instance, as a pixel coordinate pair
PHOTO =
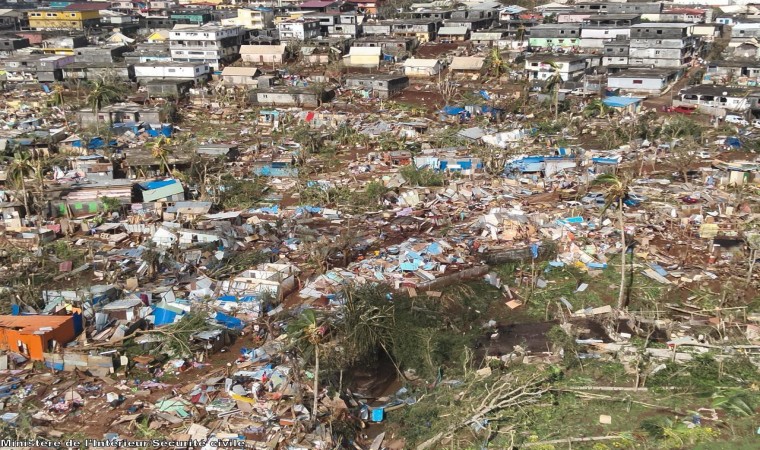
(422, 177)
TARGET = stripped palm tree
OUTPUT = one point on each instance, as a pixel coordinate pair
(307, 333)
(615, 192)
(19, 169)
(496, 64)
(552, 84)
(161, 153)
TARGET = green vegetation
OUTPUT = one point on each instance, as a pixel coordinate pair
(422, 177)
(241, 194)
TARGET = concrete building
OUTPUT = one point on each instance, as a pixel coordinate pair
(467, 64)
(298, 29)
(662, 45)
(121, 112)
(453, 34)
(263, 54)
(252, 19)
(716, 100)
(10, 44)
(569, 67)
(41, 68)
(597, 30)
(418, 67)
(240, 76)
(645, 81)
(288, 96)
(98, 70)
(363, 57)
(213, 45)
(639, 7)
(151, 71)
(424, 30)
(56, 19)
(549, 36)
(615, 52)
(377, 85)
(739, 72)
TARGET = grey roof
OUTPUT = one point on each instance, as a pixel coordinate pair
(456, 31)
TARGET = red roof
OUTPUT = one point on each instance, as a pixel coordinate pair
(317, 4)
(88, 6)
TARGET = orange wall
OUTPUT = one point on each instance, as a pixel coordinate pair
(36, 343)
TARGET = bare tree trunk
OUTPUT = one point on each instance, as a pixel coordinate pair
(24, 193)
(316, 384)
(621, 295)
(753, 257)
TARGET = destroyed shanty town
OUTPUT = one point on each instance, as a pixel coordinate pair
(380, 224)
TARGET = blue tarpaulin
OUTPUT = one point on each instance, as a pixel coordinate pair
(453, 110)
(163, 316)
(733, 142)
(608, 161)
(96, 143)
(620, 102)
(157, 184)
(229, 321)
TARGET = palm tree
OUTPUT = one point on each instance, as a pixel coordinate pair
(160, 152)
(496, 63)
(596, 108)
(520, 34)
(18, 170)
(368, 324)
(306, 332)
(616, 189)
(58, 100)
(102, 93)
(552, 84)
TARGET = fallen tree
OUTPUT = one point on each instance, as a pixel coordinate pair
(499, 396)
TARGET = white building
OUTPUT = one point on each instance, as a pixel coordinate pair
(149, 71)
(539, 67)
(418, 67)
(214, 45)
(363, 57)
(251, 19)
(650, 81)
(298, 29)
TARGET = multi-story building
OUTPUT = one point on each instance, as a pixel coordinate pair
(191, 16)
(425, 30)
(160, 7)
(252, 19)
(366, 6)
(298, 29)
(55, 19)
(569, 67)
(214, 45)
(619, 8)
(127, 6)
(555, 35)
(596, 30)
(36, 67)
(661, 45)
(615, 52)
(12, 20)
